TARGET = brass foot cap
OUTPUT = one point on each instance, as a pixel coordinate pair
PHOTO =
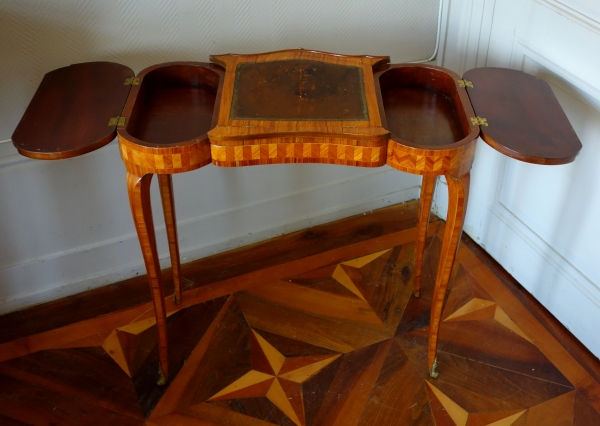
(433, 373)
(162, 380)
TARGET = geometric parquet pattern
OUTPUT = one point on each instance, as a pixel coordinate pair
(333, 341)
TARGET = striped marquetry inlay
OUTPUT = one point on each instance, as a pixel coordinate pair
(455, 161)
(141, 160)
(275, 153)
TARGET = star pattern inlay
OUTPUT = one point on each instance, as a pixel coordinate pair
(276, 377)
(544, 413)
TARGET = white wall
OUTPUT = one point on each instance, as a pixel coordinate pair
(65, 226)
(539, 222)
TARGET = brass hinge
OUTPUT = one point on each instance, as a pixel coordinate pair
(465, 83)
(479, 121)
(132, 81)
(116, 121)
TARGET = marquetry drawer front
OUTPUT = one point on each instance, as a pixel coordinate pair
(141, 160)
(455, 161)
(319, 151)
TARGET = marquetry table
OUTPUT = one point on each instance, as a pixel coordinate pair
(294, 106)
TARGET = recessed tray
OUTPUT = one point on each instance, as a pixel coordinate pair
(174, 104)
(422, 105)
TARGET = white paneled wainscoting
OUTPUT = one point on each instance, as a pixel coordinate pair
(539, 222)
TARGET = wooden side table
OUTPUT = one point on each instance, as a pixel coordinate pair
(295, 106)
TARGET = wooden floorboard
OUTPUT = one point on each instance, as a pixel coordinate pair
(315, 328)
(210, 270)
(559, 331)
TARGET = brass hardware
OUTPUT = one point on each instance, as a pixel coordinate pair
(433, 373)
(162, 380)
(479, 121)
(465, 83)
(116, 121)
(132, 81)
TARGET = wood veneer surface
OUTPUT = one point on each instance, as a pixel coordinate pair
(298, 94)
(332, 338)
(422, 105)
(559, 331)
(175, 103)
(210, 270)
(71, 109)
(422, 116)
(525, 120)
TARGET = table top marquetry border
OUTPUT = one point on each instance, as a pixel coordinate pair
(241, 131)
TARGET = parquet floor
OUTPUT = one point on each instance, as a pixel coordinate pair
(314, 328)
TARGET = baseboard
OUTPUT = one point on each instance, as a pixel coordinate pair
(553, 281)
(199, 237)
(548, 276)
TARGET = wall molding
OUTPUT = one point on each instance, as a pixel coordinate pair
(556, 290)
(558, 75)
(548, 275)
(465, 46)
(553, 257)
(589, 93)
(573, 14)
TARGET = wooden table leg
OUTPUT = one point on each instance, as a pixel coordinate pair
(427, 189)
(168, 204)
(458, 195)
(138, 189)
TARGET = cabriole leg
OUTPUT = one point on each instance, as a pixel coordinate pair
(138, 189)
(168, 203)
(427, 189)
(458, 194)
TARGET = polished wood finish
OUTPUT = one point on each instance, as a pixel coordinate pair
(557, 354)
(314, 107)
(168, 202)
(424, 105)
(168, 116)
(140, 160)
(174, 103)
(70, 111)
(558, 331)
(326, 112)
(458, 196)
(138, 189)
(321, 119)
(250, 263)
(428, 114)
(332, 112)
(297, 150)
(436, 162)
(364, 63)
(425, 200)
(359, 360)
(525, 120)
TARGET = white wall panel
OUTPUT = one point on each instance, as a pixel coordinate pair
(65, 225)
(540, 222)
